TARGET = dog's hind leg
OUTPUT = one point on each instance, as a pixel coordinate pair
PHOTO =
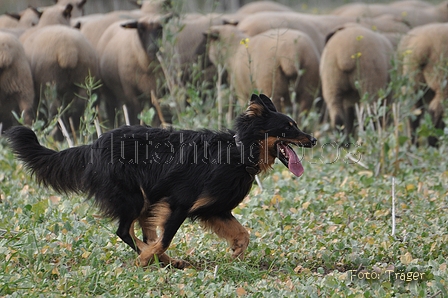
(126, 233)
(148, 230)
(169, 222)
(149, 235)
(229, 228)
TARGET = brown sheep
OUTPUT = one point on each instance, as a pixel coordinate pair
(62, 56)
(270, 62)
(353, 55)
(16, 82)
(129, 66)
(425, 55)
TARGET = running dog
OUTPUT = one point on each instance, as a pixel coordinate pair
(159, 177)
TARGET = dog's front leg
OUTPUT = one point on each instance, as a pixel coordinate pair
(229, 228)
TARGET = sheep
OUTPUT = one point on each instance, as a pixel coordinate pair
(129, 66)
(16, 82)
(316, 26)
(270, 62)
(260, 22)
(258, 6)
(53, 15)
(153, 6)
(424, 55)
(78, 6)
(62, 56)
(94, 27)
(415, 15)
(9, 20)
(25, 19)
(184, 46)
(354, 55)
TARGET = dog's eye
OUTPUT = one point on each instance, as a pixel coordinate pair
(288, 127)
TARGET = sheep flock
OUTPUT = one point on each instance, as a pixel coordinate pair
(342, 56)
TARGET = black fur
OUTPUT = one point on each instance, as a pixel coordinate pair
(131, 164)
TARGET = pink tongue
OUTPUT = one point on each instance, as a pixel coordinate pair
(294, 164)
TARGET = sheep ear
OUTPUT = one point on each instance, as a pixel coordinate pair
(130, 25)
(230, 22)
(37, 11)
(81, 3)
(139, 5)
(68, 11)
(330, 35)
(211, 34)
(13, 15)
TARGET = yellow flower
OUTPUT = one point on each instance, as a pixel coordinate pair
(358, 38)
(407, 52)
(356, 56)
(374, 28)
(404, 14)
(245, 42)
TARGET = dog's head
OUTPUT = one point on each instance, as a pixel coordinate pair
(274, 132)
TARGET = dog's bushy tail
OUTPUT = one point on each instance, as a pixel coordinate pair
(62, 170)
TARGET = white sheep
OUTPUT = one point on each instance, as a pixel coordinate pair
(425, 55)
(129, 67)
(355, 61)
(16, 82)
(62, 56)
(25, 19)
(53, 15)
(415, 13)
(271, 63)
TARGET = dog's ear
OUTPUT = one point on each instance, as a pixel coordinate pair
(259, 105)
(268, 103)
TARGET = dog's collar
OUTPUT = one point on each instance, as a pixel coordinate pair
(253, 170)
(237, 140)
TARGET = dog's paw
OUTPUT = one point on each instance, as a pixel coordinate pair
(140, 262)
(239, 247)
(179, 264)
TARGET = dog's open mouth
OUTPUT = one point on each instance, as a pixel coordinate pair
(289, 158)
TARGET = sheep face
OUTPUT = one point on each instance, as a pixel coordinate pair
(150, 35)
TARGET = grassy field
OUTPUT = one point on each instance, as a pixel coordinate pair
(326, 234)
(331, 233)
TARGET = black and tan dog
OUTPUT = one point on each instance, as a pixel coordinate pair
(160, 177)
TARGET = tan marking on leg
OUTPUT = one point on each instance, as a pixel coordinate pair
(140, 244)
(201, 202)
(148, 230)
(159, 213)
(231, 230)
(147, 256)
